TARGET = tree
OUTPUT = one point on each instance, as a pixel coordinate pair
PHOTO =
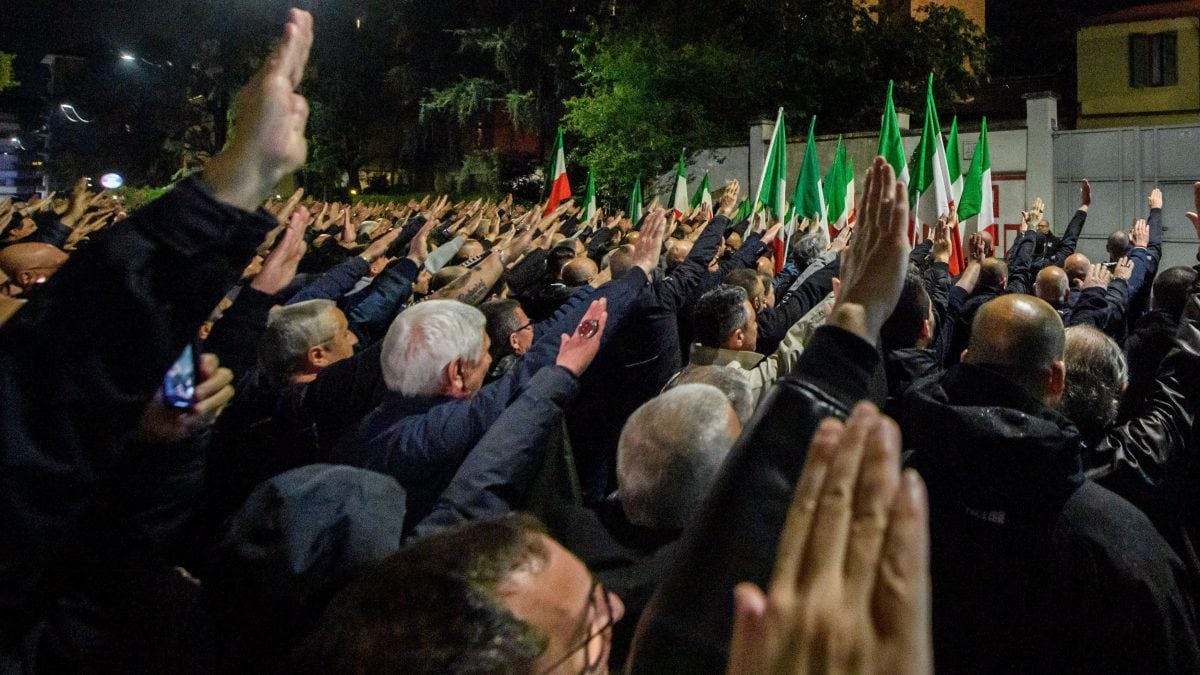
(7, 79)
(652, 85)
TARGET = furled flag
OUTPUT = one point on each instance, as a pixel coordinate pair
(560, 189)
(703, 195)
(929, 190)
(634, 210)
(745, 210)
(808, 201)
(975, 211)
(589, 198)
(772, 186)
(679, 200)
(891, 147)
(839, 191)
(954, 162)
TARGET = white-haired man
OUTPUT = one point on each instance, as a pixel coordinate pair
(434, 360)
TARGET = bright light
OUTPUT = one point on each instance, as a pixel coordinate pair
(353, 191)
(112, 181)
(358, 24)
(126, 56)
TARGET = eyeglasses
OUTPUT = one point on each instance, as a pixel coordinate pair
(518, 330)
(592, 662)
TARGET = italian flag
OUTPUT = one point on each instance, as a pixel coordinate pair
(891, 147)
(954, 166)
(589, 198)
(808, 201)
(680, 203)
(634, 210)
(929, 191)
(839, 191)
(772, 186)
(745, 210)
(703, 195)
(560, 189)
(975, 210)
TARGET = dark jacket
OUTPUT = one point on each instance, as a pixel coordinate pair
(77, 366)
(1035, 568)
(687, 627)
(1057, 249)
(422, 441)
(1145, 348)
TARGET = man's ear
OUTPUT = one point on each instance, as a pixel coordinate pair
(454, 376)
(26, 279)
(735, 340)
(317, 357)
(512, 341)
(926, 330)
(963, 356)
(1056, 383)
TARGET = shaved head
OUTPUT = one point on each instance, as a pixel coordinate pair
(678, 252)
(579, 272)
(1077, 266)
(993, 273)
(1117, 245)
(1052, 286)
(1021, 338)
(30, 263)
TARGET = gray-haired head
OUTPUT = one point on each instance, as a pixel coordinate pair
(1096, 377)
(422, 342)
(732, 382)
(292, 330)
(670, 451)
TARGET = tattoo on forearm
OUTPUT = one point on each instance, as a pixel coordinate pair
(474, 294)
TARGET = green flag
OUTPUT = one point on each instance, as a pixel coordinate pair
(745, 210)
(954, 162)
(891, 146)
(809, 199)
(977, 186)
(703, 195)
(634, 210)
(589, 198)
(772, 186)
(839, 190)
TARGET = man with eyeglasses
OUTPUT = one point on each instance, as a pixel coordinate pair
(488, 596)
(510, 334)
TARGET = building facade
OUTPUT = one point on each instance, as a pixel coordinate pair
(1140, 66)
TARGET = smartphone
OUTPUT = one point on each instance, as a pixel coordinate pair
(179, 384)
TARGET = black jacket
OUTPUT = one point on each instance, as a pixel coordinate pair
(686, 628)
(77, 366)
(1035, 568)
(1145, 348)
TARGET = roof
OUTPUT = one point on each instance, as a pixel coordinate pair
(1161, 10)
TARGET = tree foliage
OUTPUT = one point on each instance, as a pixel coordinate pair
(7, 79)
(651, 86)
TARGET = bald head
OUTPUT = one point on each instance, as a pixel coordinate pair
(579, 272)
(1117, 245)
(678, 252)
(993, 273)
(1052, 286)
(1077, 266)
(620, 260)
(30, 263)
(1021, 338)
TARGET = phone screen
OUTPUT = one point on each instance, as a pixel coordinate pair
(179, 384)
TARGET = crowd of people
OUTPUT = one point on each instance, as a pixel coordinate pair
(478, 436)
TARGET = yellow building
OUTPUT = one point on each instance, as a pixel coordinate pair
(975, 10)
(1140, 67)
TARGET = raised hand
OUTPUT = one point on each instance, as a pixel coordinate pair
(1139, 234)
(1085, 194)
(875, 264)
(418, 248)
(1194, 216)
(772, 234)
(850, 590)
(267, 139)
(1124, 269)
(1098, 277)
(279, 268)
(728, 197)
(349, 230)
(577, 351)
(842, 240)
(380, 245)
(1155, 199)
(941, 240)
(1037, 210)
(161, 424)
(976, 249)
(648, 247)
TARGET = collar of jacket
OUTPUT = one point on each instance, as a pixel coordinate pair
(989, 450)
(711, 356)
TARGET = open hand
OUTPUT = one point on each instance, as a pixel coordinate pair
(1098, 277)
(1139, 234)
(648, 248)
(1124, 269)
(576, 351)
(280, 265)
(1085, 194)
(1155, 199)
(850, 590)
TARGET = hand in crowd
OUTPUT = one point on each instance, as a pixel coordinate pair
(279, 267)
(1154, 201)
(267, 139)
(772, 234)
(1139, 234)
(1194, 216)
(648, 248)
(1085, 195)
(576, 351)
(941, 240)
(976, 249)
(851, 588)
(842, 240)
(727, 198)
(1123, 269)
(876, 262)
(162, 424)
(1098, 276)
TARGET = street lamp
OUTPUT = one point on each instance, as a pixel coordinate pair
(126, 56)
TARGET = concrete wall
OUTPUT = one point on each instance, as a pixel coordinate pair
(1105, 97)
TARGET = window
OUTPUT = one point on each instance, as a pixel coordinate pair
(1152, 60)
